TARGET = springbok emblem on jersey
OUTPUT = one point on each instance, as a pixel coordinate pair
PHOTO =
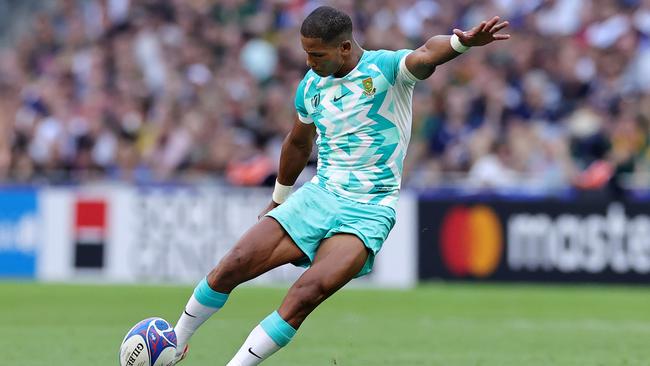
(368, 87)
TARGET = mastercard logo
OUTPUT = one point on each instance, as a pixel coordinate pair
(471, 241)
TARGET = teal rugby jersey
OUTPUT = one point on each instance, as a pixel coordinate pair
(364, 125)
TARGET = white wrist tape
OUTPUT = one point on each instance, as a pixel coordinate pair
(281, 192)
(457, 46)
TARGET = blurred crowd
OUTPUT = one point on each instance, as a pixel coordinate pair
(159, 90)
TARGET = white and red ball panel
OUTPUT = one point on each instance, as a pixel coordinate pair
(151, 342)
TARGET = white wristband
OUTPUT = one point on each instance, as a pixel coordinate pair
(281, 192)
(456, 45)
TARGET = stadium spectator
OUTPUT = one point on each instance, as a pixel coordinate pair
(158, 90)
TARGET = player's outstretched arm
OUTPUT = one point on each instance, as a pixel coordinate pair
(439, 49)
(296, 150)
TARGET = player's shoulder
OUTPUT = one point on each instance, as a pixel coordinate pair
(376, 55)
(310, 78)
(385, 61)
(307, 87)
(310, 75)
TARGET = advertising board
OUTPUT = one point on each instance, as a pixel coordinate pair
(543, 240)
(18, 232)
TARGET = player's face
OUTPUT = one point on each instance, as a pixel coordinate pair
(323, 58)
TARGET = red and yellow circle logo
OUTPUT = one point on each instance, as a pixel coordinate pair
(471, 241)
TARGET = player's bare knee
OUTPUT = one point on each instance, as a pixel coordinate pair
(309, 295)
(220, 280)
(237, 257)
(229, 273)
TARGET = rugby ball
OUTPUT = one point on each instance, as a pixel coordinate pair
(151, 342)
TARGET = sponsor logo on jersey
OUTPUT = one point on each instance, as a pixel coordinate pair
(336, 99)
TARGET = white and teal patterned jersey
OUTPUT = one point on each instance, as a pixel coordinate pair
(364, 125)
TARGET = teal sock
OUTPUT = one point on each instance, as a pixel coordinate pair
(278, 329)
(268, 337)
(209, 297)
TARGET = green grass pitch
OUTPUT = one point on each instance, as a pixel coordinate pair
(437, 324)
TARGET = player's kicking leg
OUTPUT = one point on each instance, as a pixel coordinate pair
(337, 261)
(265, 246)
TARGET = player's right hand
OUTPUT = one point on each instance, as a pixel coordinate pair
(271, 206)
(484, 33)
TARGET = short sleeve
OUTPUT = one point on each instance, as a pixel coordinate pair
(303, 115)
(393, 66)
(403, 71)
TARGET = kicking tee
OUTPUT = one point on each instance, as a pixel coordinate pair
(363, 122)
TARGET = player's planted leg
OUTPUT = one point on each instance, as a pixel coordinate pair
(338, 260)
(264, 247)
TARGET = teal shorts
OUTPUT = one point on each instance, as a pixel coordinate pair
(313, 213)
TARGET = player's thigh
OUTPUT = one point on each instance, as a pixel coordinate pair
(263, 247)
(339, 259)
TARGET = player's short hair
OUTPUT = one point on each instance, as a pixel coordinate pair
(327, 24)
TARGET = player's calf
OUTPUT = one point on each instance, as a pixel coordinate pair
(302, 299)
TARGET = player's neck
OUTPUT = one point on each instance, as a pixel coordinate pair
(351, 63)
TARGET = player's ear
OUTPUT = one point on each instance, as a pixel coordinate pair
(346, 47)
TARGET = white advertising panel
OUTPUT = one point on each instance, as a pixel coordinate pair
(177, 234)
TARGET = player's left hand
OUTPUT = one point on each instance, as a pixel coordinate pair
(268, 208)
(484, 33)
